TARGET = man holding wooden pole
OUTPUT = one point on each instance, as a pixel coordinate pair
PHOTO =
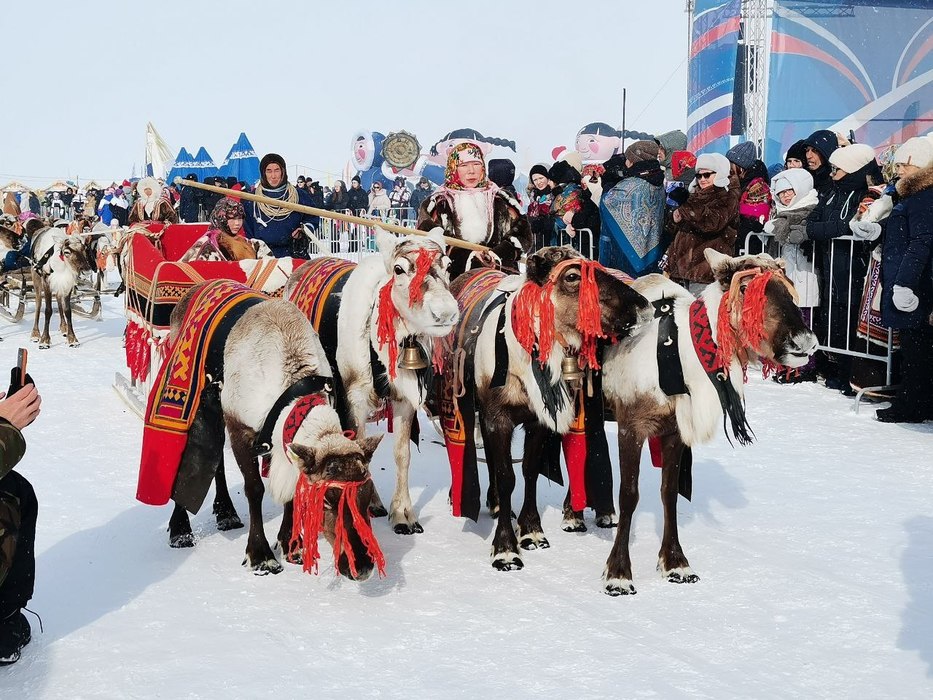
(277, 226)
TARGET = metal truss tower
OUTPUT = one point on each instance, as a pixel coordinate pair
(756, 25)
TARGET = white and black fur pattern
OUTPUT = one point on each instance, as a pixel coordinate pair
(643, 410)
(63, 258)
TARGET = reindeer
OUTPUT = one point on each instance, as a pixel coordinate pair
(58, 261)
(751, 312)
(271, 395)
(561, 308)
(371, 311)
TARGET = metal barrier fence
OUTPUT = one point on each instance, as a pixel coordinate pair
(353, 241)
(848, 322)
(582, 241)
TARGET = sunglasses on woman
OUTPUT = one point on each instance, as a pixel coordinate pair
(703, 176)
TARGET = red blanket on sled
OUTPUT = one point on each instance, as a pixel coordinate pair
(175, 395)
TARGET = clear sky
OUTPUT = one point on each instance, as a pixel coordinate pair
(83, 78)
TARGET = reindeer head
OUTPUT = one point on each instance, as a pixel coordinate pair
(621, 310)
(337, 468)
(420, 281)
(75, 254)
(763, 307)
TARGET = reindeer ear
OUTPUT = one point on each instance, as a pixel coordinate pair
(436, 234)
(386, 242)
(717, 261)
(538, 267)
(302, 456)
(369, 445)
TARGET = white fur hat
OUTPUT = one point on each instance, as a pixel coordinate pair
(573, 158)
(852, 158)
(916, 151)
(716, 162)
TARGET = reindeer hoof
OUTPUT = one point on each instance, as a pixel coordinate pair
(73, 344)
(185, 539)
(408, 528)
(229, 522)
(572, 524)
(263, 568)
(378, 511)
(44, 345)
(534, 540)
(619, 586)
(295, 557)
(607, 521)
(683, 574)
(507, 561)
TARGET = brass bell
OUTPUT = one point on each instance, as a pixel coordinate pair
(570, 370)
(412, 355)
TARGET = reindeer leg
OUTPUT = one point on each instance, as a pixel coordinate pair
(46, 341)
(530, 532)
(672, 563)
(359, 413)
(618, 572)
(62, 327)
(573, 519)
(401, 514)
(259, 556)
(290, 554)
(223, 508)
(497, 439)
(72, 338)
(179, 529)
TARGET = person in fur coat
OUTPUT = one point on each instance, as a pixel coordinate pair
(907, 281)
(796, 198)
(472, 208)
(708, 219)
(151, 203)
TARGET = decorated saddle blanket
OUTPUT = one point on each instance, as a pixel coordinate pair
(193, 362)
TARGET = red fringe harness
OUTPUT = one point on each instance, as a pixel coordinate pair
(533, 303)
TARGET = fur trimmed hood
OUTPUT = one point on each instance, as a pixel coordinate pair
(916, 183)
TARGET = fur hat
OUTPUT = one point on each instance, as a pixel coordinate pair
(502, 172)
(824, 141)
(537, 169)
(641, 151)
(798, 150)
(916, 151)
(743, 154)
(563, 172)
(716, 162)
(671, 142)
(681, 161)
(852, 158)
(267, 160)
(574, 159)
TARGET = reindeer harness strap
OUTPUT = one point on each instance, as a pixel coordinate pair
(306, 386)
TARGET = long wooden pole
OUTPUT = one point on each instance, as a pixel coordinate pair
(314, 211)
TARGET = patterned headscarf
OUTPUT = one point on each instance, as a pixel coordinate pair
(465, 152)
(226, 209)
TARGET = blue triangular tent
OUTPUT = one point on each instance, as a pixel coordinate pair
(241, 162)
(204, 165)
(184, 164)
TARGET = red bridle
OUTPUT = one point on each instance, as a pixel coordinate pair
(308, 521)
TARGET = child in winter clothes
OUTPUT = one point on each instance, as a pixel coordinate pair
(796, 198)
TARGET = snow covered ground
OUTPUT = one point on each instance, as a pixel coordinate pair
(814, 547)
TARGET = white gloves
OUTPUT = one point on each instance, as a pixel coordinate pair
(866, 230)
(769, 227)
(905, 299)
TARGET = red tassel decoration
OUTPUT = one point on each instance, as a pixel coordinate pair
(385, 326)
(423, 266)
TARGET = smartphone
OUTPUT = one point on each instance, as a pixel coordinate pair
(22, 355)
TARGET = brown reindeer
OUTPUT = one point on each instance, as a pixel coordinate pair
(748, 312)
(58, 261)
(561, 307)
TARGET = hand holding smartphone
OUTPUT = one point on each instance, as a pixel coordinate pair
(18, 376)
